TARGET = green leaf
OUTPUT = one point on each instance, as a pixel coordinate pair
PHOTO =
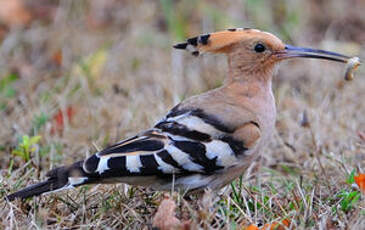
(25, 147)
(17, 153)
(349, 199)
(10, 92)
(43, 151)
(39, 121)
(25, 141)
(10, 169)
(350, 179)
(7, 81)
(34, 140)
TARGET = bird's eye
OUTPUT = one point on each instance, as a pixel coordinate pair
(259, 48)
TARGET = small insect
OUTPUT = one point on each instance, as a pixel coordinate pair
(352, 64)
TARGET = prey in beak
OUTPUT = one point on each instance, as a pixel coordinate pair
(352, 63)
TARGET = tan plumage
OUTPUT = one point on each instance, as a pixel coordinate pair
(205, 141)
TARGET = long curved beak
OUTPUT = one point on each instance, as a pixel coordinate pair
(293, 51)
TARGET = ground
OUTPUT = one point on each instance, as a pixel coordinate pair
(76, 76)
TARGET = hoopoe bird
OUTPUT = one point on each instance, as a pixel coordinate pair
(207, 140)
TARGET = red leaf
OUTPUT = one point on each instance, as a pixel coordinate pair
(59, 121)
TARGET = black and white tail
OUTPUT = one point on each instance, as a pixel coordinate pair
(58, 179)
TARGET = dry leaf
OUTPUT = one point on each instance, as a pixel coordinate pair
(57, 58)
(165, 218)
(305, 120)
(361, 135)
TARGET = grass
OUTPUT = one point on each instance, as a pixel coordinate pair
(95, 74)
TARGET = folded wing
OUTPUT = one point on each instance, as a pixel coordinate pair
(184, 142)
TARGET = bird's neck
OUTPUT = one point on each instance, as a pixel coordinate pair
(250, 82)
(255, 73)
(251, 86)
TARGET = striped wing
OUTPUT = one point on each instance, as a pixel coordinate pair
(185, 142)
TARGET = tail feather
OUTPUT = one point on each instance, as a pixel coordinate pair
(59, 178)
(33, 190)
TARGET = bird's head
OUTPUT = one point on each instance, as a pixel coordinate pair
(252, 51)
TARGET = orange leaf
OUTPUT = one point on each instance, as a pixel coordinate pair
(251, 227)
(286, 222)
(57, 58)
(276, 225)
(360, 181)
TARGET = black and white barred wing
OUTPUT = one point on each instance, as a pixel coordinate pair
(187, 142)
(140, 155)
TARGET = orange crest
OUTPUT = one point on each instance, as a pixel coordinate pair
(217, 42)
